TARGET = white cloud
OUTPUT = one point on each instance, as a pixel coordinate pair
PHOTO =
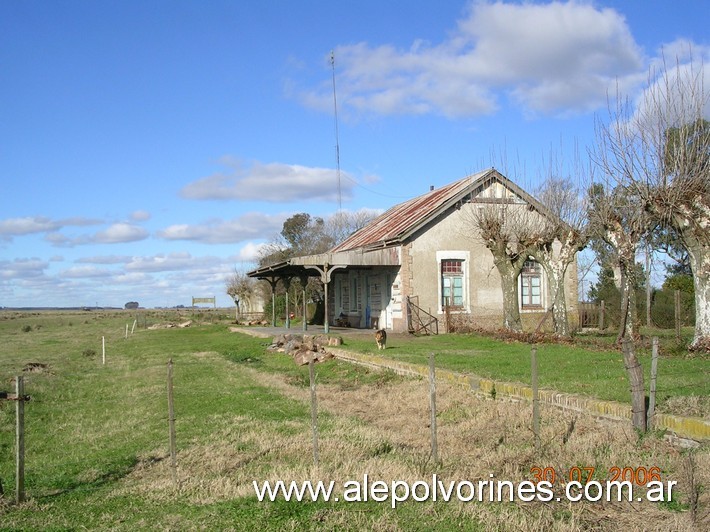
(133, 279)
(248, 226)
(251, 252)
(160, 279)
(104, 259)
(22, 268)
(273, 182)
(550, 58)
(140, 216)
(674, 93)
(171, 262)
(38, 224)
(115, 233)
(59, 240)
(120, 233)
(684, 72)
(27, 225)
(84, 272)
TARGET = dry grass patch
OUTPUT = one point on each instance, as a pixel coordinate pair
(691, 405)
(384, 431)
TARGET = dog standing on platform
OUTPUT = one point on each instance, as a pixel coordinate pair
(381, 339)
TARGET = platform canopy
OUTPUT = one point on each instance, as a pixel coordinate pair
(313, 265)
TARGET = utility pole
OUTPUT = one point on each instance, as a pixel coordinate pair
(337, 136)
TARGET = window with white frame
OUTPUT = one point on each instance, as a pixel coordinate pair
(531, 286)
(452, 283)
(453, 280)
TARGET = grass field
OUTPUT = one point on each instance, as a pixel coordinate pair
(97, 436)
(595, 369)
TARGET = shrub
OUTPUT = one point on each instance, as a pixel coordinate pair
(663, 309)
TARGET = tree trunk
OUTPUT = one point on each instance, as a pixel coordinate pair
(692, 222)
(628, 326)
(638, 397)
(624, 241)
(555, 271)
(555, 257)
(509, 282)
(700, 264)
(559, 309)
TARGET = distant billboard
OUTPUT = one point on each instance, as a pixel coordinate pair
(199, 300)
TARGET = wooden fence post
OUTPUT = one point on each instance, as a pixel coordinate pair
(20, 439)
(314, 407)
(638, 396)
(103, 350)
(171, 424)
(652, 391)
(601, 316)
(648, 286)
(677, 314)
(536, 399)
(432, 404)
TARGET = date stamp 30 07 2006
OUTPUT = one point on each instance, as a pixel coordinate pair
(640, 476)
(579, 483)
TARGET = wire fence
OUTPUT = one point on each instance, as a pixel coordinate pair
(159, 414)
(668, 310)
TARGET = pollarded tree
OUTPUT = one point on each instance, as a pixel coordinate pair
(561, 234)
(241, 288)
(508, 230)
(660, 150)
(616, 219)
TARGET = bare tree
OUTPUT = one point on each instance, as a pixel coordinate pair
(617, 219)
(241, 288)
(585, 265)
(508, 229)
(659, 149)
(342, 224)
(561, 234)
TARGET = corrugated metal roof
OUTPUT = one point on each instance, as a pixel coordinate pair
(400, 221)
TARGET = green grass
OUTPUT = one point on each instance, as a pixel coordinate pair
(344, 375)
(82, 400)
(597, 372)
(89, 426)
(92, 428)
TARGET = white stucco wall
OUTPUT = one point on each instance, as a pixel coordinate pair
(455, 237)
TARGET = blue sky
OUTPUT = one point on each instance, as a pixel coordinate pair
(147, 149)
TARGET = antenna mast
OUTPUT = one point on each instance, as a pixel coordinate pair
(337, 141)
